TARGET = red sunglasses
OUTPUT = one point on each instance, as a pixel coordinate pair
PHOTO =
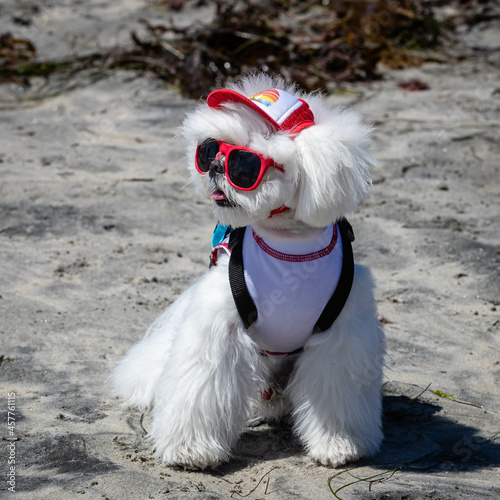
(244, 167)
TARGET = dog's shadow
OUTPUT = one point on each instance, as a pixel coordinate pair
(265, 442)
(425, 432)
(422, 432)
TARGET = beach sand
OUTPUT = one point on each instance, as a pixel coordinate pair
(100, 231)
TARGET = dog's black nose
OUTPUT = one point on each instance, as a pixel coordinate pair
(217, 166)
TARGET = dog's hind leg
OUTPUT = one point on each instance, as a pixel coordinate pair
(336, 387)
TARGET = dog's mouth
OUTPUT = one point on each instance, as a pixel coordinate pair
(221, 199)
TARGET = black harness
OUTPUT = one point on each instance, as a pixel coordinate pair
(245, 304)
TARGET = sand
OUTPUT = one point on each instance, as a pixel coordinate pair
(99, 231)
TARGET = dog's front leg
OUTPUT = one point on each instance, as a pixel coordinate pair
(336, 386)
(204, 394)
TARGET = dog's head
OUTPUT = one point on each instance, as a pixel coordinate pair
(312, 161)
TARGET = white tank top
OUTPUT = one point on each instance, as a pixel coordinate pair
(290, 281)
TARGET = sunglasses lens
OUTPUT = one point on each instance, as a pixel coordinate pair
(243, 168)
(207, 151)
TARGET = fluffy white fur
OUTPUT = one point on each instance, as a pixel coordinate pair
(198, 369)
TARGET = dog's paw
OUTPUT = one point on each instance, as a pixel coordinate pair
(191, 458)
(334, 451)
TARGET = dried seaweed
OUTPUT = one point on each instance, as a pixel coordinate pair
(311, 43)
(315, 43)
(14, 53)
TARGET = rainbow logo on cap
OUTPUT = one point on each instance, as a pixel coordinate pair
(267, 98)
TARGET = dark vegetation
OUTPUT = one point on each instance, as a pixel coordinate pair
(315, 43)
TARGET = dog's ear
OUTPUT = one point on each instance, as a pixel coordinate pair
(334, 165)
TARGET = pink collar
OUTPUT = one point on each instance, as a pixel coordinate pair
(300, 257)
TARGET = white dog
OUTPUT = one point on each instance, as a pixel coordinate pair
(283, 322)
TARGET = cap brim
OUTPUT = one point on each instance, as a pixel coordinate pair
(219, 97)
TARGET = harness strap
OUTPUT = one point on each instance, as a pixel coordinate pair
(242, 298)
(337, 301)
(245, 304)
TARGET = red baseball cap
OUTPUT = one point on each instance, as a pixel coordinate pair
(279, 108)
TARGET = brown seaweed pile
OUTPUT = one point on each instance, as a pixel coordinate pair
(315, 43)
